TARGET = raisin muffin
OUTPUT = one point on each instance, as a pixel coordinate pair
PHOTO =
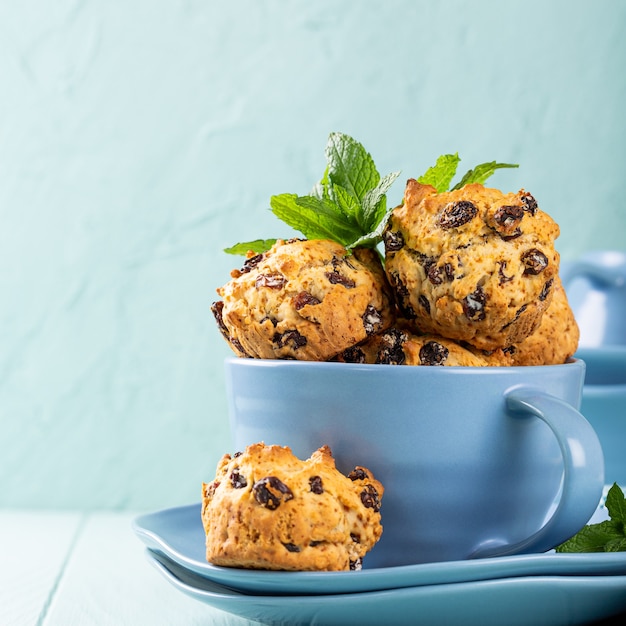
(399, 346)
(304, 299)
(474, 264)
(556, 339)
(267, 509)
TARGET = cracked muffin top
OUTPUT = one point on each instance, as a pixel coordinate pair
(474, 264)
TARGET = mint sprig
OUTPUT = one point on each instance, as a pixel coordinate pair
(481, 173)
(348, 205)
(257, 246)
(441, 174)
(607, 536)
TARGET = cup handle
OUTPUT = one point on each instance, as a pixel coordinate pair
(607, 275)
(583, 478)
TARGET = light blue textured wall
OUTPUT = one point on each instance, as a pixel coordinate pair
(139, 137)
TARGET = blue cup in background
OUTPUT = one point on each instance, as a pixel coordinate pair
(595, 285)
(604, 405)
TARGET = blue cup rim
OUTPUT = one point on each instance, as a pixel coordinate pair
(253, 362)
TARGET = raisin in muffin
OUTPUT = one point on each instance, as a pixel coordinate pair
(399, 346)
(474, 264)
(267, 509)
(556, 339)
(304, 299)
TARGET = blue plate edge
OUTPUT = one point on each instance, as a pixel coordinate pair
(375, 579)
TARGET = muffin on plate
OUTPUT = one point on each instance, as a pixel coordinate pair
(267, 509)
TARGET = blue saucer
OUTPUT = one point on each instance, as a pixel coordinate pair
(177, 533)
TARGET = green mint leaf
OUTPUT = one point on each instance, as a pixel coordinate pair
(374, 206)
(616, 504)
(371, 239)
(346, 202)
(616, 545)
(593, 538)
(350, 166)
(347, 205)
(441, 174)
(331, 224)
(321, 189)
(258, 246)
(313, 217)
(481, 173)
(607, 536)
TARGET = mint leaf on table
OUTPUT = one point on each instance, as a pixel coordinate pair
(593, 538)
(616, 545)
(616, 504)
(607, 536)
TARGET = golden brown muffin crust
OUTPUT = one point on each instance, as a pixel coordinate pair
(399, 346)
(267, 509)
(556, 339)
(474, 265)
(304, 299)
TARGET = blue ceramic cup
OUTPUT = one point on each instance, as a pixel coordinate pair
(475, 461)
(596, 289)
(604, 405)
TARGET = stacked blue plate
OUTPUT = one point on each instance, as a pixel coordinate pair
(546, 588)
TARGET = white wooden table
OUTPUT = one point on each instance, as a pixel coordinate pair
(75, 569)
